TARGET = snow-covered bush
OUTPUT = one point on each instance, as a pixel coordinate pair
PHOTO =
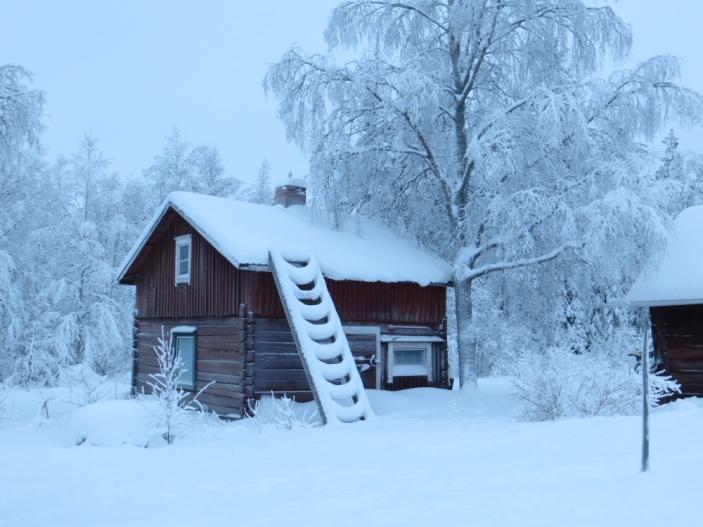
(84, 385)
(283, 413)
(559, 383)
(172, 403)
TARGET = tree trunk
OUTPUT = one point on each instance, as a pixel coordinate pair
(466, 338)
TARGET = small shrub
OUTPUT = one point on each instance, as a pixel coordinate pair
(559, 383)
(282, 413)
(85, 386)
(172, 402)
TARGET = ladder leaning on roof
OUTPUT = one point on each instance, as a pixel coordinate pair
(320, 339)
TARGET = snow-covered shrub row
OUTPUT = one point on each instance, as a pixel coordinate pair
(559, 383)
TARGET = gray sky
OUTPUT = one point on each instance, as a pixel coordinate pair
(129, 70)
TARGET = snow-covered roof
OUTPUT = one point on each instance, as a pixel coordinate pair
(244, 232)
(293, 182)
(676, 279)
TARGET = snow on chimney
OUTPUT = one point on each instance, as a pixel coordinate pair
(292, 192)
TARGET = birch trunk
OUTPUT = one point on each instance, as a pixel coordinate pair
(466, 339)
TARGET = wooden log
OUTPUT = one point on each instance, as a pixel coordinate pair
(276, 347)
(218, 366)
(687, 377)
(233, 400)
(274, 336)
(227, 378)
(276, 361)
(684, 364)
(156, 323)
(282, 374)
(209, 352)
(218, 388)
(301, 396)
(284, 385)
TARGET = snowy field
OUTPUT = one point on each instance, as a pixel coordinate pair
(433, 457)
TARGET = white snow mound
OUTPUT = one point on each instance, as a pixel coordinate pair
(112, 423)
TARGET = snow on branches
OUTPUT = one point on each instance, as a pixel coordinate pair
(480, 129)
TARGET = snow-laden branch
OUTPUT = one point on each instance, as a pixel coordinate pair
(412, 9)
(465, 273)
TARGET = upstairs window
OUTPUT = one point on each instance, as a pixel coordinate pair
(184, 251)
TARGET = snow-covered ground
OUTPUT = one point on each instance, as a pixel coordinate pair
(433, 457)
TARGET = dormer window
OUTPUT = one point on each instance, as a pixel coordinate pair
(184, 252)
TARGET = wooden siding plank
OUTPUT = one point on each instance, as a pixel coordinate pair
(217, 288)
(678, 342)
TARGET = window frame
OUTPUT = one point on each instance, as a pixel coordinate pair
(185, 240)
(426, 346)
(182, 332)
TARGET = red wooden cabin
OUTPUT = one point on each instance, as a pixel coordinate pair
(201, 273)
(672, 290)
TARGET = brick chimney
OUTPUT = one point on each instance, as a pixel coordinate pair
(292, 192)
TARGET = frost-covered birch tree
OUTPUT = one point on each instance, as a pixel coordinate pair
(481, 128)
(261, 190)
(21, 108)
(179, 166)
(210, 177)
(82, 247)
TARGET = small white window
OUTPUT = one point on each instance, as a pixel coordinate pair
(409, 359)
(183, 259)
(184, 344)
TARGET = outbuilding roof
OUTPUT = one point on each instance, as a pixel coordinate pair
(362, 249)
(676, 279)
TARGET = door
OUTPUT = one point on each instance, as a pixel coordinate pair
(364, 342)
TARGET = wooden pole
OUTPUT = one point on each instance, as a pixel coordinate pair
(645, 398)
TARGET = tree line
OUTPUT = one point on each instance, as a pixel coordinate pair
(482, 129)
(66, 225)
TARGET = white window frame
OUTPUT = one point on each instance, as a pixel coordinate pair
(185, 240)
(393, 346)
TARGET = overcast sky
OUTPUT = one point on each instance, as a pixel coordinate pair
(130, 70)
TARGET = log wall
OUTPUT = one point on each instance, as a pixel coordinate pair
(278, 367)
(678, 339)
(219, 358)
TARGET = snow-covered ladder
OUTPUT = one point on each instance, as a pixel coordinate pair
(322, 344)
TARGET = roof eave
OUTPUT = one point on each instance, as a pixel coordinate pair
(666, 302)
